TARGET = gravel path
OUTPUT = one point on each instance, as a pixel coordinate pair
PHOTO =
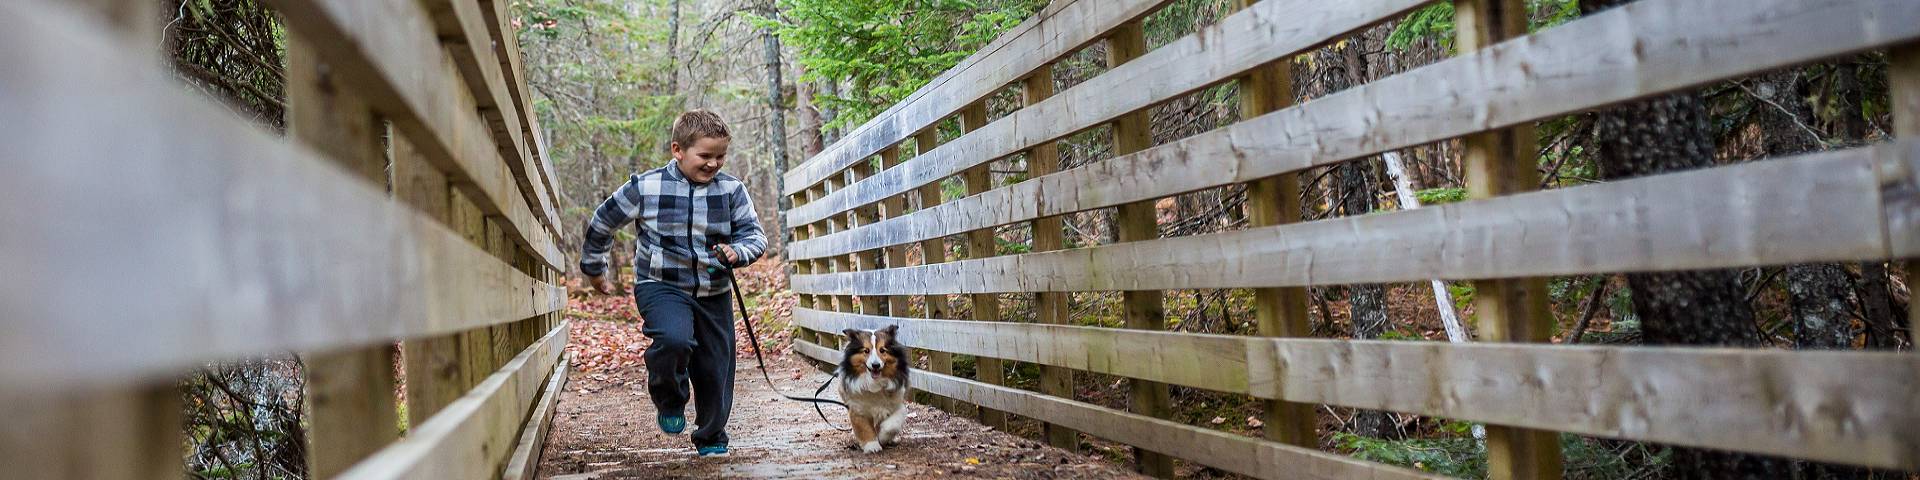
(604, 429)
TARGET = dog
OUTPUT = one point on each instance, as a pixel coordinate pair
(874, 369)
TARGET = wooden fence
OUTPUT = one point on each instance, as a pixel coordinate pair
(149, 231)
(854, 232)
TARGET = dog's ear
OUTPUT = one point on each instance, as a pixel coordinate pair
(852, 335)
(892, 330)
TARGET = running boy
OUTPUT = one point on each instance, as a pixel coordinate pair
(693, 222)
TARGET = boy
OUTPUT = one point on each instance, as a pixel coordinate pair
(693, 223)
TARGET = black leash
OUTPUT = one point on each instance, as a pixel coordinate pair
(740, 303)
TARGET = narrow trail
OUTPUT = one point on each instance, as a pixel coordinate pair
(603, 428)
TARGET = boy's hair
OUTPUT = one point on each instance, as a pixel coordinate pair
(697, 124)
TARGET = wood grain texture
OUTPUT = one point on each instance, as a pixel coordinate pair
(1613, 56)
(1762, 401)
(386, 52)
(1263, 33)
(1807, 208)
(1055, 31)
(1226, 451)
(249, 245)
(473, 436)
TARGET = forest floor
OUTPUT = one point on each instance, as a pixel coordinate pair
(603, 428)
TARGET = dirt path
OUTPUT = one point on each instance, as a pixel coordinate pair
(604, 428)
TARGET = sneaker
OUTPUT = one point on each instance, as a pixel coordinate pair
(673, 424)
(715, 450)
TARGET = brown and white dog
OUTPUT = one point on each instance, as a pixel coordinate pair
(874, 384)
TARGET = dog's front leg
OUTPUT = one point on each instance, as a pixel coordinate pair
(890, 428)
(864, 432)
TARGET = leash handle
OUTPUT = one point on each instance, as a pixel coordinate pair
(740, 303)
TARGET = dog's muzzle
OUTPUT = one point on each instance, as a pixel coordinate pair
(874, 364)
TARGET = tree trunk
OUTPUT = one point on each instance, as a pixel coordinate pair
(1664, 134)
(1817, 292)
(810, 142)
(776, 124)
(1367, 302)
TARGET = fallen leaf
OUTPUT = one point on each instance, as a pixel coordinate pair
(1255, 422)
(1218, 420)
(973, 460)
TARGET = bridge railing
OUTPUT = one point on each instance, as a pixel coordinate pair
(148, 231)
(854, 230)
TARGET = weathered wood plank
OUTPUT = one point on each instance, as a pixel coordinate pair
(1763, 401)
(1057, 30)
(1501, 162)
(249, 245)
(473, 436)
(1260, 34)
(1226, 451)
(1808, 208)
(525, 462)
(1613, 56)
(385, 52)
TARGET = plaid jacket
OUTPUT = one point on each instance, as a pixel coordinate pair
(670, 249)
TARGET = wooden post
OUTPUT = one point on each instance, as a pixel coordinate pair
(1051, 307)
(863, 216)
(476, 356)
(350, 393)
(434, 373)
(1145, 310)
(981, 244)
(835, 224)
(897, 305)
(932, 251)
(1903, 81)
(1281, 312)
(107, 433)
(1511, 310)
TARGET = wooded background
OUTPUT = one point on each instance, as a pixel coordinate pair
(791, 76)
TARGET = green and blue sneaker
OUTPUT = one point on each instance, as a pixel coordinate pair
(714, 450)
(673, 424)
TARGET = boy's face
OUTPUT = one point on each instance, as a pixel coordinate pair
(701, 161)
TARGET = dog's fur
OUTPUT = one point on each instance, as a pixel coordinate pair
(874, 378)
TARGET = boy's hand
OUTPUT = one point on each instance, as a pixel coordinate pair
(602, 284)
(725, 253)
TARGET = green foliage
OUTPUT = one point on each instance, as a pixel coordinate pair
(1436, 196)
(886, 49)
(1455, 456)
(1435, 22)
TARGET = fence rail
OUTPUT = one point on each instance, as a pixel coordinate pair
(855, 220)
(152, 232)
